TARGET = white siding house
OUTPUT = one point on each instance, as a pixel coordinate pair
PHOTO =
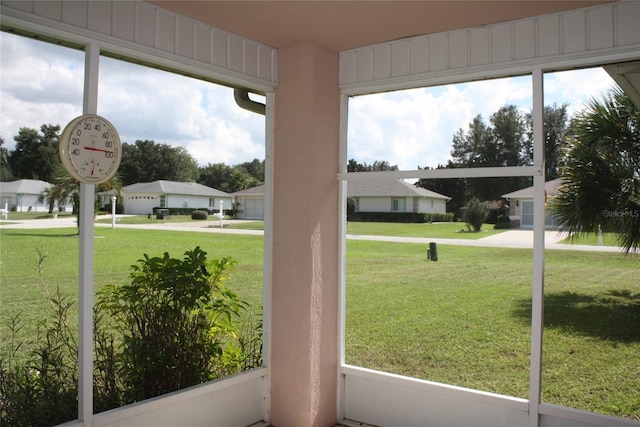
(26, 195)
(521, 205)
(249, 203)
(388, 196)
(395, 196)
(141, 198)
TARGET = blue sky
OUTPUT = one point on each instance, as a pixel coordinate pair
(43, 83)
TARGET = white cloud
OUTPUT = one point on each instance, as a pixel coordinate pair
(43, 83)
(415, 127)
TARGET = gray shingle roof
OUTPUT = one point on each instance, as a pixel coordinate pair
(392, 188)
(173, 187)
(551, 187)
(258, 190)
(24, 186)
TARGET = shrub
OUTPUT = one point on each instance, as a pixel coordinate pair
(173, 326)
(174, 318)
(415, 217)
(199, 215)
(503, 222)
(475, 213)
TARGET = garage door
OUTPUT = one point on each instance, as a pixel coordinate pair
(254, 209)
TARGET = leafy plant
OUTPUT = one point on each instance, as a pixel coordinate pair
(475, 213)
(176, 318)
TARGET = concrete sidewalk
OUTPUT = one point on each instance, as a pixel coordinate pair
(518, 238)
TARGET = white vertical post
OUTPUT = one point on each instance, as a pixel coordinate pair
(113, 211)
(87, 200)
(221, 214)
(537, 296)
(342, 251)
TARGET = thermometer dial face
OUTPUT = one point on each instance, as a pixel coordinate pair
(90, 149)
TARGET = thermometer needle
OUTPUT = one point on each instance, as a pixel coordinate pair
(93, 168)
(98, 149)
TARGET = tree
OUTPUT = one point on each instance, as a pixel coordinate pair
(146, 161)
(502, 142)
(36, 154)
(216, 175)
(555, 128)
(377, 165)
(5, 170)
(475, 213)
(602, 171)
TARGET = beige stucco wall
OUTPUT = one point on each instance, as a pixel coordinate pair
(304, 312)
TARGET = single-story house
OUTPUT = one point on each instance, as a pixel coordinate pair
(26, 195)
(521, 205)
(386, 196)
(141, 198)
(395, 196)
(249, 203)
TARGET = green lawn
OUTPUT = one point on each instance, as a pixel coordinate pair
(464, 320)
(443, 230)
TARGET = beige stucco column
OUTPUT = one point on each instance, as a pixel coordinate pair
(304, 358)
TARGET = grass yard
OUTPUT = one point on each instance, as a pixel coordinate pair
(444, 230)
(464, 320)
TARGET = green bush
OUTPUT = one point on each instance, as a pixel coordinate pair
(413, 217)
(475, 213)
(503, 222)
(173, 326)
(174, 317)
(199, 215)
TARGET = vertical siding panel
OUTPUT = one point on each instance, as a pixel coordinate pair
(219, 47)
(418, 55)
(348, 67)
(548, 36)
(49, 9)
(524, 39)
(202, 42)
(438, 52)
(382, 61)
(400, 58)
(265, 65)
(235, 52)
(502, 43)
(479, 46)
(124, 20)
(601, 28)
(574, 32)
(185, 36)
(364, 64)
(75, 13)
(628, 17)
(99, 16)
(250, 58)
(165, 30)
(145, 23)
(24, 5)
(458, 49)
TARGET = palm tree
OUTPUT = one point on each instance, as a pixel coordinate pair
(602, 172)
(66, 187)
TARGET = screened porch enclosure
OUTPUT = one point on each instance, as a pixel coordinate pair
(305, 380)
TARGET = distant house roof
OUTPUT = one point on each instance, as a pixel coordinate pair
(24, 186)
(552, 188)
(173, 187)
(391, 188)
(258, 190)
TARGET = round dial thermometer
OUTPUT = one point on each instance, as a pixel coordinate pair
(90, 149)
